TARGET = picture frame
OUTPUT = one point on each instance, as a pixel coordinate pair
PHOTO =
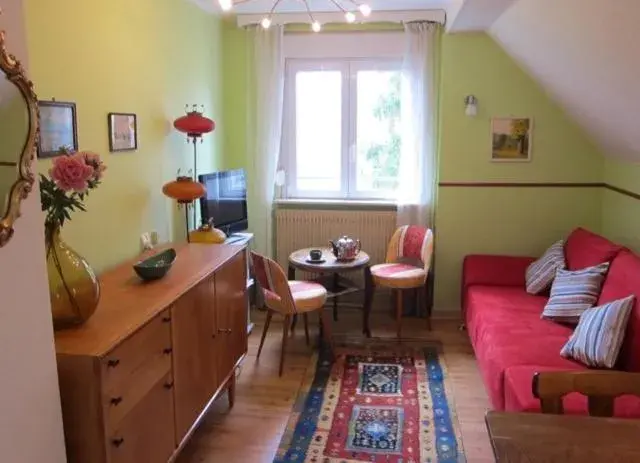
(123, 131)
(511, 139)
(58, 128)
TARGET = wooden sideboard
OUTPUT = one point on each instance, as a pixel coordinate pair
(136, 379)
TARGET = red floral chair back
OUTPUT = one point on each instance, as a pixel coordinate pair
(411, 242)
(274, 284)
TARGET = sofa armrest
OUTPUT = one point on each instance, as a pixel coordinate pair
(482, 269)
(601, 387)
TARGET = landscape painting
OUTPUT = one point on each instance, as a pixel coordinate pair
(511, 139)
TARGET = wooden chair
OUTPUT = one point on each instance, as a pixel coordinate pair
(406, 266)
(600, 387)
(288, 298)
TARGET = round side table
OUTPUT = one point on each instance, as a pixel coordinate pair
(329, 272)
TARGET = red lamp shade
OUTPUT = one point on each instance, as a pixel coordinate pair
(184, 189)
(194, 124)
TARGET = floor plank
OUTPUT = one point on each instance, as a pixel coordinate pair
(251, 432)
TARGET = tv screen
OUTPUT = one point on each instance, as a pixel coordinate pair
(226, 200)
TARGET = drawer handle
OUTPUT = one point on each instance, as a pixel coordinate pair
(116, 400)
(117, 442)
(224, 330)
(166, 319)
(113, 363)
(167, 350)
(168, 385)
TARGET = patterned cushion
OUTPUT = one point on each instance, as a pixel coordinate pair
(598, 337)
(398, 275)
(574, 292)
(540, 274)
(307, 296)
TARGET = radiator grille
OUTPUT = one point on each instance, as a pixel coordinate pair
(296, 229)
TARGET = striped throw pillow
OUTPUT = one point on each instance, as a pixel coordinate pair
(573, 292)
(540, 274)
(597, 339)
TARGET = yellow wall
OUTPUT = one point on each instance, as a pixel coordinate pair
(146, 57)
(620, 213)
(503, 220)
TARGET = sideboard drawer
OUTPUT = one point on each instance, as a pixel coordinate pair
(143, 350)
(146, 435)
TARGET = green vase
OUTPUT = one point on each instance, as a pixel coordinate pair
(74, 289)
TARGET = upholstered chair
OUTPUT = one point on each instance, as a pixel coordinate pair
(288, 298)
(406, 266)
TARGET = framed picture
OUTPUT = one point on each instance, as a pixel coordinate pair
(123, 132)
(511, 139)
(58, 128)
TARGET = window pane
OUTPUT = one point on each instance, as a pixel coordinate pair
(318, 130)
(378, 131)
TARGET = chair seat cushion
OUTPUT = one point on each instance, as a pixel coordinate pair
(398, 275)
(307, 296)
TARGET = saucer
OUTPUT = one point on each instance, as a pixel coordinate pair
(309, 260)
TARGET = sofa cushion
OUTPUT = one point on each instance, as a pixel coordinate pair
(519, 397)
(598, 337)
(505, 329)
(586, 249)
(573, 292)
(541, 273)
(623, 280)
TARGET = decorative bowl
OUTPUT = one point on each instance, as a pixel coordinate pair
(156, 266)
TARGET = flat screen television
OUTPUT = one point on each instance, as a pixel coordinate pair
(225, 202)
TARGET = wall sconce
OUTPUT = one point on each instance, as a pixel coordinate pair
(471, 105)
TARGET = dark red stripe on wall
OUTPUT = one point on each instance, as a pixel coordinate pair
(622, 191)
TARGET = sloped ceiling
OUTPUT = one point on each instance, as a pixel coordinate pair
(586, 53)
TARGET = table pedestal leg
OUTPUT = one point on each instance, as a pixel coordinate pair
(336, 287)
(369, 288)
(291, 275)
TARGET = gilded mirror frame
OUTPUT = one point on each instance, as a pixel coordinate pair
(25, 178)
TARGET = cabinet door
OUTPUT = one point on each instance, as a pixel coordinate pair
(146, 434)
(194, 365)
(231, 313)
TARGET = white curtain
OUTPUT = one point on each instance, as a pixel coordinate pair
(417, 172)
(268, 64)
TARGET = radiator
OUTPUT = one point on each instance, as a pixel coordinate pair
(296, 229)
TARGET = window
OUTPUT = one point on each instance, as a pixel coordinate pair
(342, 128)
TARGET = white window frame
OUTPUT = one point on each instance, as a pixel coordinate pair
(348, 174)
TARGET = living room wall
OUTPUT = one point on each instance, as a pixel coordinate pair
(470, 219)
(621, 213)
(508, 219)
(144, 57)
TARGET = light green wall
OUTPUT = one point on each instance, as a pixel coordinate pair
(620, 213)
(503, 220)
(147, 57)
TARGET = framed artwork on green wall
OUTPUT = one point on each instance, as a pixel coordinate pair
(511, 139)
(58, 128)
(123, 132)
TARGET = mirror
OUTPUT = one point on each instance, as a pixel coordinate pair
(18, 128)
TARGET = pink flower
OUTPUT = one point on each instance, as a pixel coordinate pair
(93, 160)
(71, 173)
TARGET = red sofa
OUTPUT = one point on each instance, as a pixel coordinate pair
(512, 342)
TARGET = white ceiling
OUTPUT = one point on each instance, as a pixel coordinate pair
(462, 15)
(585, 53)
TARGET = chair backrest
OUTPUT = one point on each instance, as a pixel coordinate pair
(411, 242)
(274, 284)
(600, 387)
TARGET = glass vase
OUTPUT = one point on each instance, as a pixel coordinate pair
(74, 289)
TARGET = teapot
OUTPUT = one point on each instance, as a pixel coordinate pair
(345, 248)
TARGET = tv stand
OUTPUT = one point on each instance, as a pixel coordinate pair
(244, 239)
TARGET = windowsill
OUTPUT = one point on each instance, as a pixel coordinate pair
(379, 204)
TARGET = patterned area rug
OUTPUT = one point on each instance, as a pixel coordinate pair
(379, 401)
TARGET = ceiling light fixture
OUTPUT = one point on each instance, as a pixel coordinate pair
(349, 13)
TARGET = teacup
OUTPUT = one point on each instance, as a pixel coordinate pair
(315, 254)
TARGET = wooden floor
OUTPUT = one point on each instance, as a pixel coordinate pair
(250, 433)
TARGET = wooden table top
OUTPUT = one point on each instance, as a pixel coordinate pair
(298, 259)
(540, 438)
(127, 302)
